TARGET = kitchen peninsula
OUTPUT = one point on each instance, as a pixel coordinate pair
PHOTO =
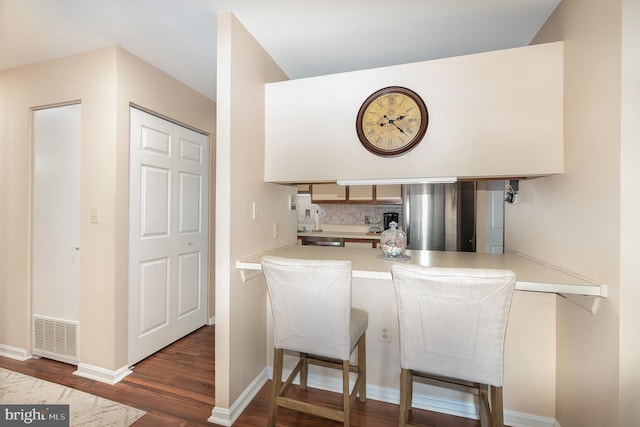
(529, 348)
(531, 274)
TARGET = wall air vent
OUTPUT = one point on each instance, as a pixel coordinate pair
(55, 339)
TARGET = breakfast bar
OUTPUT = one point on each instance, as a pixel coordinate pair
(532, 275)
(530, 345)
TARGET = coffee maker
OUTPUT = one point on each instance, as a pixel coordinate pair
(388, 218)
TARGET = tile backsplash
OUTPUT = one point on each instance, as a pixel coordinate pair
(341, 214)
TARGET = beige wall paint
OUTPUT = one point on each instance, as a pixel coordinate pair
(507, 102)
(243, 69)
(90, 78)
(105, 81)
(573, 220)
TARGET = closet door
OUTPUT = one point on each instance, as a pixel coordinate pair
(168, 226)
(56, 232)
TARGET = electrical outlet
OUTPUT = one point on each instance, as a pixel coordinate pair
(385, 334)
(276, 230)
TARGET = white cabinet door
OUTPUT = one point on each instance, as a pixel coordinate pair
(167, 233)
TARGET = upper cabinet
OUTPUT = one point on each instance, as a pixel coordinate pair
(356, 194)
(389, 193)
(328, 193)
(491, 115)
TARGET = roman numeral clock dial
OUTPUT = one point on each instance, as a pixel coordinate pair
(392, 121)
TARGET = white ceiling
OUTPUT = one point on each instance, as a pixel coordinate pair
(306, 38)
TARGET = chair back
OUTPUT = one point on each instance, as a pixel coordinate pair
(453, 320)
(311, 304)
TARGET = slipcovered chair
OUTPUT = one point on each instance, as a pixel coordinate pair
(452, 330)
(312, 315)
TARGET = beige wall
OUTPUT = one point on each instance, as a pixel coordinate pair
(243, 69)
(90, 78)
(507, 102)
(105, 81)
(574, 220)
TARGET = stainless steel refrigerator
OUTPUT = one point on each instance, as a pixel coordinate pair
(440, 216)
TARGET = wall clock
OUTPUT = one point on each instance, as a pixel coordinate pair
(392, 121)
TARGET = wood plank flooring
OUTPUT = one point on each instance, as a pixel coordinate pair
(176, 388)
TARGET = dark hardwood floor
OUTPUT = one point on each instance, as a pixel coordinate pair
(176, 388)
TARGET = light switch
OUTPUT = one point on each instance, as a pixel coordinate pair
(95, 215)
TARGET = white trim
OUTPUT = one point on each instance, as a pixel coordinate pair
(14, 352)
(226, 417)
(102, 375)
(212, 320)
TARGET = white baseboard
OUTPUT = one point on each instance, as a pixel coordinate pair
(212, 321)
(14, 352)
(226, 417)
(102, 375)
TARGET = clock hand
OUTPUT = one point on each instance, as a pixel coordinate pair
(392, 122)
(399, 128)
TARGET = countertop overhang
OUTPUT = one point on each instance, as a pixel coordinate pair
(532, 275)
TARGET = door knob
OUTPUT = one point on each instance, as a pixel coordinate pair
(75, 249)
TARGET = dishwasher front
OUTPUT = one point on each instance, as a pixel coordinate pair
(322, 241)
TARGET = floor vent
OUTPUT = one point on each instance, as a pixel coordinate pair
(55, 339)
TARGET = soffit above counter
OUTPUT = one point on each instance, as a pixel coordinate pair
(494, 115)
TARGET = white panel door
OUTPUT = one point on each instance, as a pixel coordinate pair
(168, 233)
(191, 241)
(494, 243)
(56, 213)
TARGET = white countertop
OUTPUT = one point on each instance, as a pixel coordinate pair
(531, 274)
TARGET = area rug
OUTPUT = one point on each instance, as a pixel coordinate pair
(84, 409)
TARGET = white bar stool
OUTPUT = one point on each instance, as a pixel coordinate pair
(312, 315)
(452, 328)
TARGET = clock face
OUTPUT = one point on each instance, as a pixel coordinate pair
(392, 121)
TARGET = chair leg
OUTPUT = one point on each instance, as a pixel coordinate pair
(484, 409)
(304, 371)
(346, 398)
(409, 394)
(362, 367)
(405, 396)
(278, 356)
(497, 411)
